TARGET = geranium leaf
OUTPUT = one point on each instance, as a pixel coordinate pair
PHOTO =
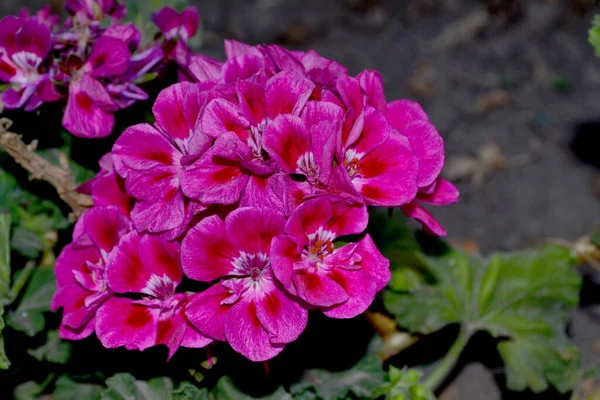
(67, 389)
(187, 391)
(27, 391)
(594, 36)
(4, 280)
(403, 384)
(54, 350)
(361, 382)
(125, 387)
(29, 315)
(225, 389)
(521, 299)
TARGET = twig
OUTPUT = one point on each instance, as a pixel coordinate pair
(393, 340)
(40, 168)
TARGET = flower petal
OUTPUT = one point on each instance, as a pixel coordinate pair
(443, 194)
(360, 288)
(373, 262)
(429, 223)
(252, 229)
(206, 312)
(372, 84)
(281, 315)
(318, 289)
(287, 139)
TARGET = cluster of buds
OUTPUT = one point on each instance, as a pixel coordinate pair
(255, 180)
(96, 69)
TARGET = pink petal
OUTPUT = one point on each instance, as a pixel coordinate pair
(204, 69)
(443, 194)
(243, 67)
(246, 335)
(428, 146)
(104, 226)
(190, 20)
(171, 331)
(127, 33)
(138, 259)
(351, 94)
(193, 338)
(177, 109)
(401, 112)
(120, 322)
(206, 251)
(373, 262)
(221, 117)
(315, 112)
(72, 299)
(286, 139)
(234, 48)
(168, 21)
(206, 312)
(161, 214)
(211, 180)
(374, 132)
(68, 333)
(267, 192)
(318, 290)
(287, 93)
(109, 190)
(372, 84)
(361, 290)
(388, 174)
(282, 316)
(252, 229)
(282, 59)
(430, 224)
(252, 101)
(309, 217)
(109, 57)
(9, 26)
(74, 259)
(89, 109)
(284, 253)
(33, 37)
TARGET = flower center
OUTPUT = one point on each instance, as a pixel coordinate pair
(352, 162)
(319, 245)
(251, 265)
(161, 287)
(306, 165)
(255, 139)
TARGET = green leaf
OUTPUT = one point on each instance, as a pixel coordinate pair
(225, 389)
(595, 239)
(187, 391)
(27, 391)
(125, 387)
(54, 350)
(4, 281)
(521, 299)
(397, 242)
(29, 315)
(594, 36)
(67, 389)
(361, 381)
(404, 384)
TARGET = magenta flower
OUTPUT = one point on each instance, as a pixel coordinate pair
(148, 266)
(44, 16)
(342, 281)
(107, 188)
(95, 10)
(150, 158)
(81, 270)
(174, 25)
(248, 307)
(239, 128)
(23, 46)
(378, 162)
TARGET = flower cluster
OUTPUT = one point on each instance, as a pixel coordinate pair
(251, 180)
(96, 69)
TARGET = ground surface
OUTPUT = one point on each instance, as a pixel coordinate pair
(524, 86)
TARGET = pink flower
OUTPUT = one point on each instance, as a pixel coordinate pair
(148, 266)
(378, 162)
(248, 307)
(24, 44)
(81, 270)
(95, 10)
(150, 158)
(342, 281)
(174, 25)
(44, 15)
(107, 188)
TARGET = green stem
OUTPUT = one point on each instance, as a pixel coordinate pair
(449, 361)
(21, 281)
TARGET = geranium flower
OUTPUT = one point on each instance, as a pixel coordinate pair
(95, 10)
(248, 307)
(342, 281)
(81, 270)
(24, 44)
(44, 15)
(378, 162)
(151, 158)
(148, 266)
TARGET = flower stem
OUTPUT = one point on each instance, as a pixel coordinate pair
(444, 367)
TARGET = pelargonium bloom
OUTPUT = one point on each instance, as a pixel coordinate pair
(148, 266)
(44, 15)
(95, 10)
(81, 270)
(23, 46)
(248, 307)
(342, 281)
(151, 158)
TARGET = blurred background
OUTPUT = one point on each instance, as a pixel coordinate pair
(512, 85)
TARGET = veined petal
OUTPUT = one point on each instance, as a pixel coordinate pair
(443, 193)
(121, 322)
(360, 288)
(287, 93)
(207, 313)
(429, 223)
(283, 317)
(373, 262)
(372, 85)
(318, 289)
(287, 139)
(206, 251)
(104, 226)
(109, 57)
(252, 229)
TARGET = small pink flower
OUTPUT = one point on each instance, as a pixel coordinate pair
(81, 270)
(174, 25)
(342, 281)
(44, 15)
(150, 158)
(149, 266)
(248, 307)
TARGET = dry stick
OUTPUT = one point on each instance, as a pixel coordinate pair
(40, 168)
